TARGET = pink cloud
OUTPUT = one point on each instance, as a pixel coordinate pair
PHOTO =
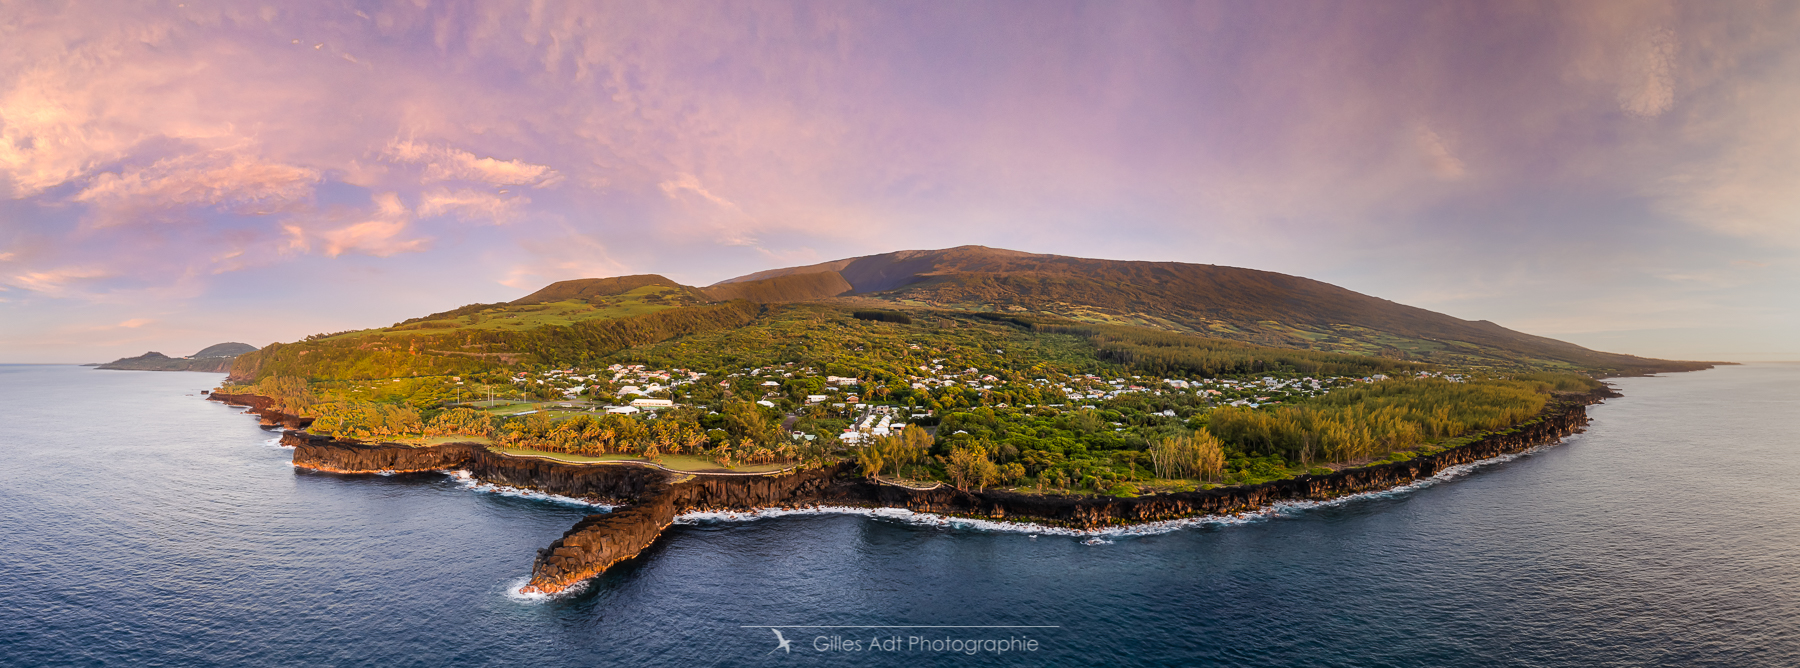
(472, 205)
(443, 163)
(238, 183)
(382, 234)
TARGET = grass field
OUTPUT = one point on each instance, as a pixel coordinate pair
(440, 440)
(647, 299)
(682, 463)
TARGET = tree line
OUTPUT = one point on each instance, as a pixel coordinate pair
(1379, 418)
(1169, 353)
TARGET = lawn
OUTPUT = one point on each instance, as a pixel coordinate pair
(422, 441)
(683, 463)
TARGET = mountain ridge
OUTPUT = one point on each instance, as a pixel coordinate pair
(587, 319)
(1238, 303)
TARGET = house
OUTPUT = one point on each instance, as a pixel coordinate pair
(621, 410)
(816, 398)
(765, 403)
(653, 403)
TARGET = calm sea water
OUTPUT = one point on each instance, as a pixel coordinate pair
(141, 525)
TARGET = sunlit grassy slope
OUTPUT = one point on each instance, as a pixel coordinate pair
(520, 317)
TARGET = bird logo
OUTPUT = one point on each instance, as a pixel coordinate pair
(783, 643)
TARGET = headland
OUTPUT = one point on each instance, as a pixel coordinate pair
(650, 499)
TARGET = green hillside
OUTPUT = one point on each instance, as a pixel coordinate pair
(781, 289)
(498, 337)
(1225, 302)
(969, 366)
(598, 289)
(1116, 305)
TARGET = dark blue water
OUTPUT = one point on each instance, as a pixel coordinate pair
(140, 525)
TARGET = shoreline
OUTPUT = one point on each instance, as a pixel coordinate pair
(648, 499)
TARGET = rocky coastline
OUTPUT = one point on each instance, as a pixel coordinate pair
(651, 499)
(263, 408)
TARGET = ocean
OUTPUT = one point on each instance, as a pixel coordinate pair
(143, 525)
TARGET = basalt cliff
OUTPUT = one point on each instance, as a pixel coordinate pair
(651, 498)
(264, 409)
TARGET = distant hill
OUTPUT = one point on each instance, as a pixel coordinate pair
(1227, 302)
(591, 288)
(216, 358)
(224, 350)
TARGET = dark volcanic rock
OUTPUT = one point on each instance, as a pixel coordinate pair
(262, 407)
(325, 454)
(655, 497)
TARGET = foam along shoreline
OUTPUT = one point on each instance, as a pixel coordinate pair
(646, 500)
(1273, 511)
(467, 481)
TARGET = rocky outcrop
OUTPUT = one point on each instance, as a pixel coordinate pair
(322, 453)
(264, 408)
(599, 541)
(654, 498)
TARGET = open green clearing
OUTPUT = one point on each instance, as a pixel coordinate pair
(680, 463)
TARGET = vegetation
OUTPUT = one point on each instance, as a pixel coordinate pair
(883, 316)
(900, 454)
(1379, 419)
(1246, 305)
(791, 288)
(1169, 353)
(1196, 455)
(597, 289)
(1003, 393)
(469, 350)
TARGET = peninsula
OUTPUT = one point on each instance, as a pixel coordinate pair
(215, 358)
(969, 381)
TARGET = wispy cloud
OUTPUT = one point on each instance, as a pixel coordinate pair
(238, 183)
(57, 282)
(443, 163)
(381, 234)
(473, 205)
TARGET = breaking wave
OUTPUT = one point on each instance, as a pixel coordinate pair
(515, 594)
(1100, 536)
(468, 481)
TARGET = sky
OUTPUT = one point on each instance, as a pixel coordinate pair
(1621, 175)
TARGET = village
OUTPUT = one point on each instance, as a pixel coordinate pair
(798, 391)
